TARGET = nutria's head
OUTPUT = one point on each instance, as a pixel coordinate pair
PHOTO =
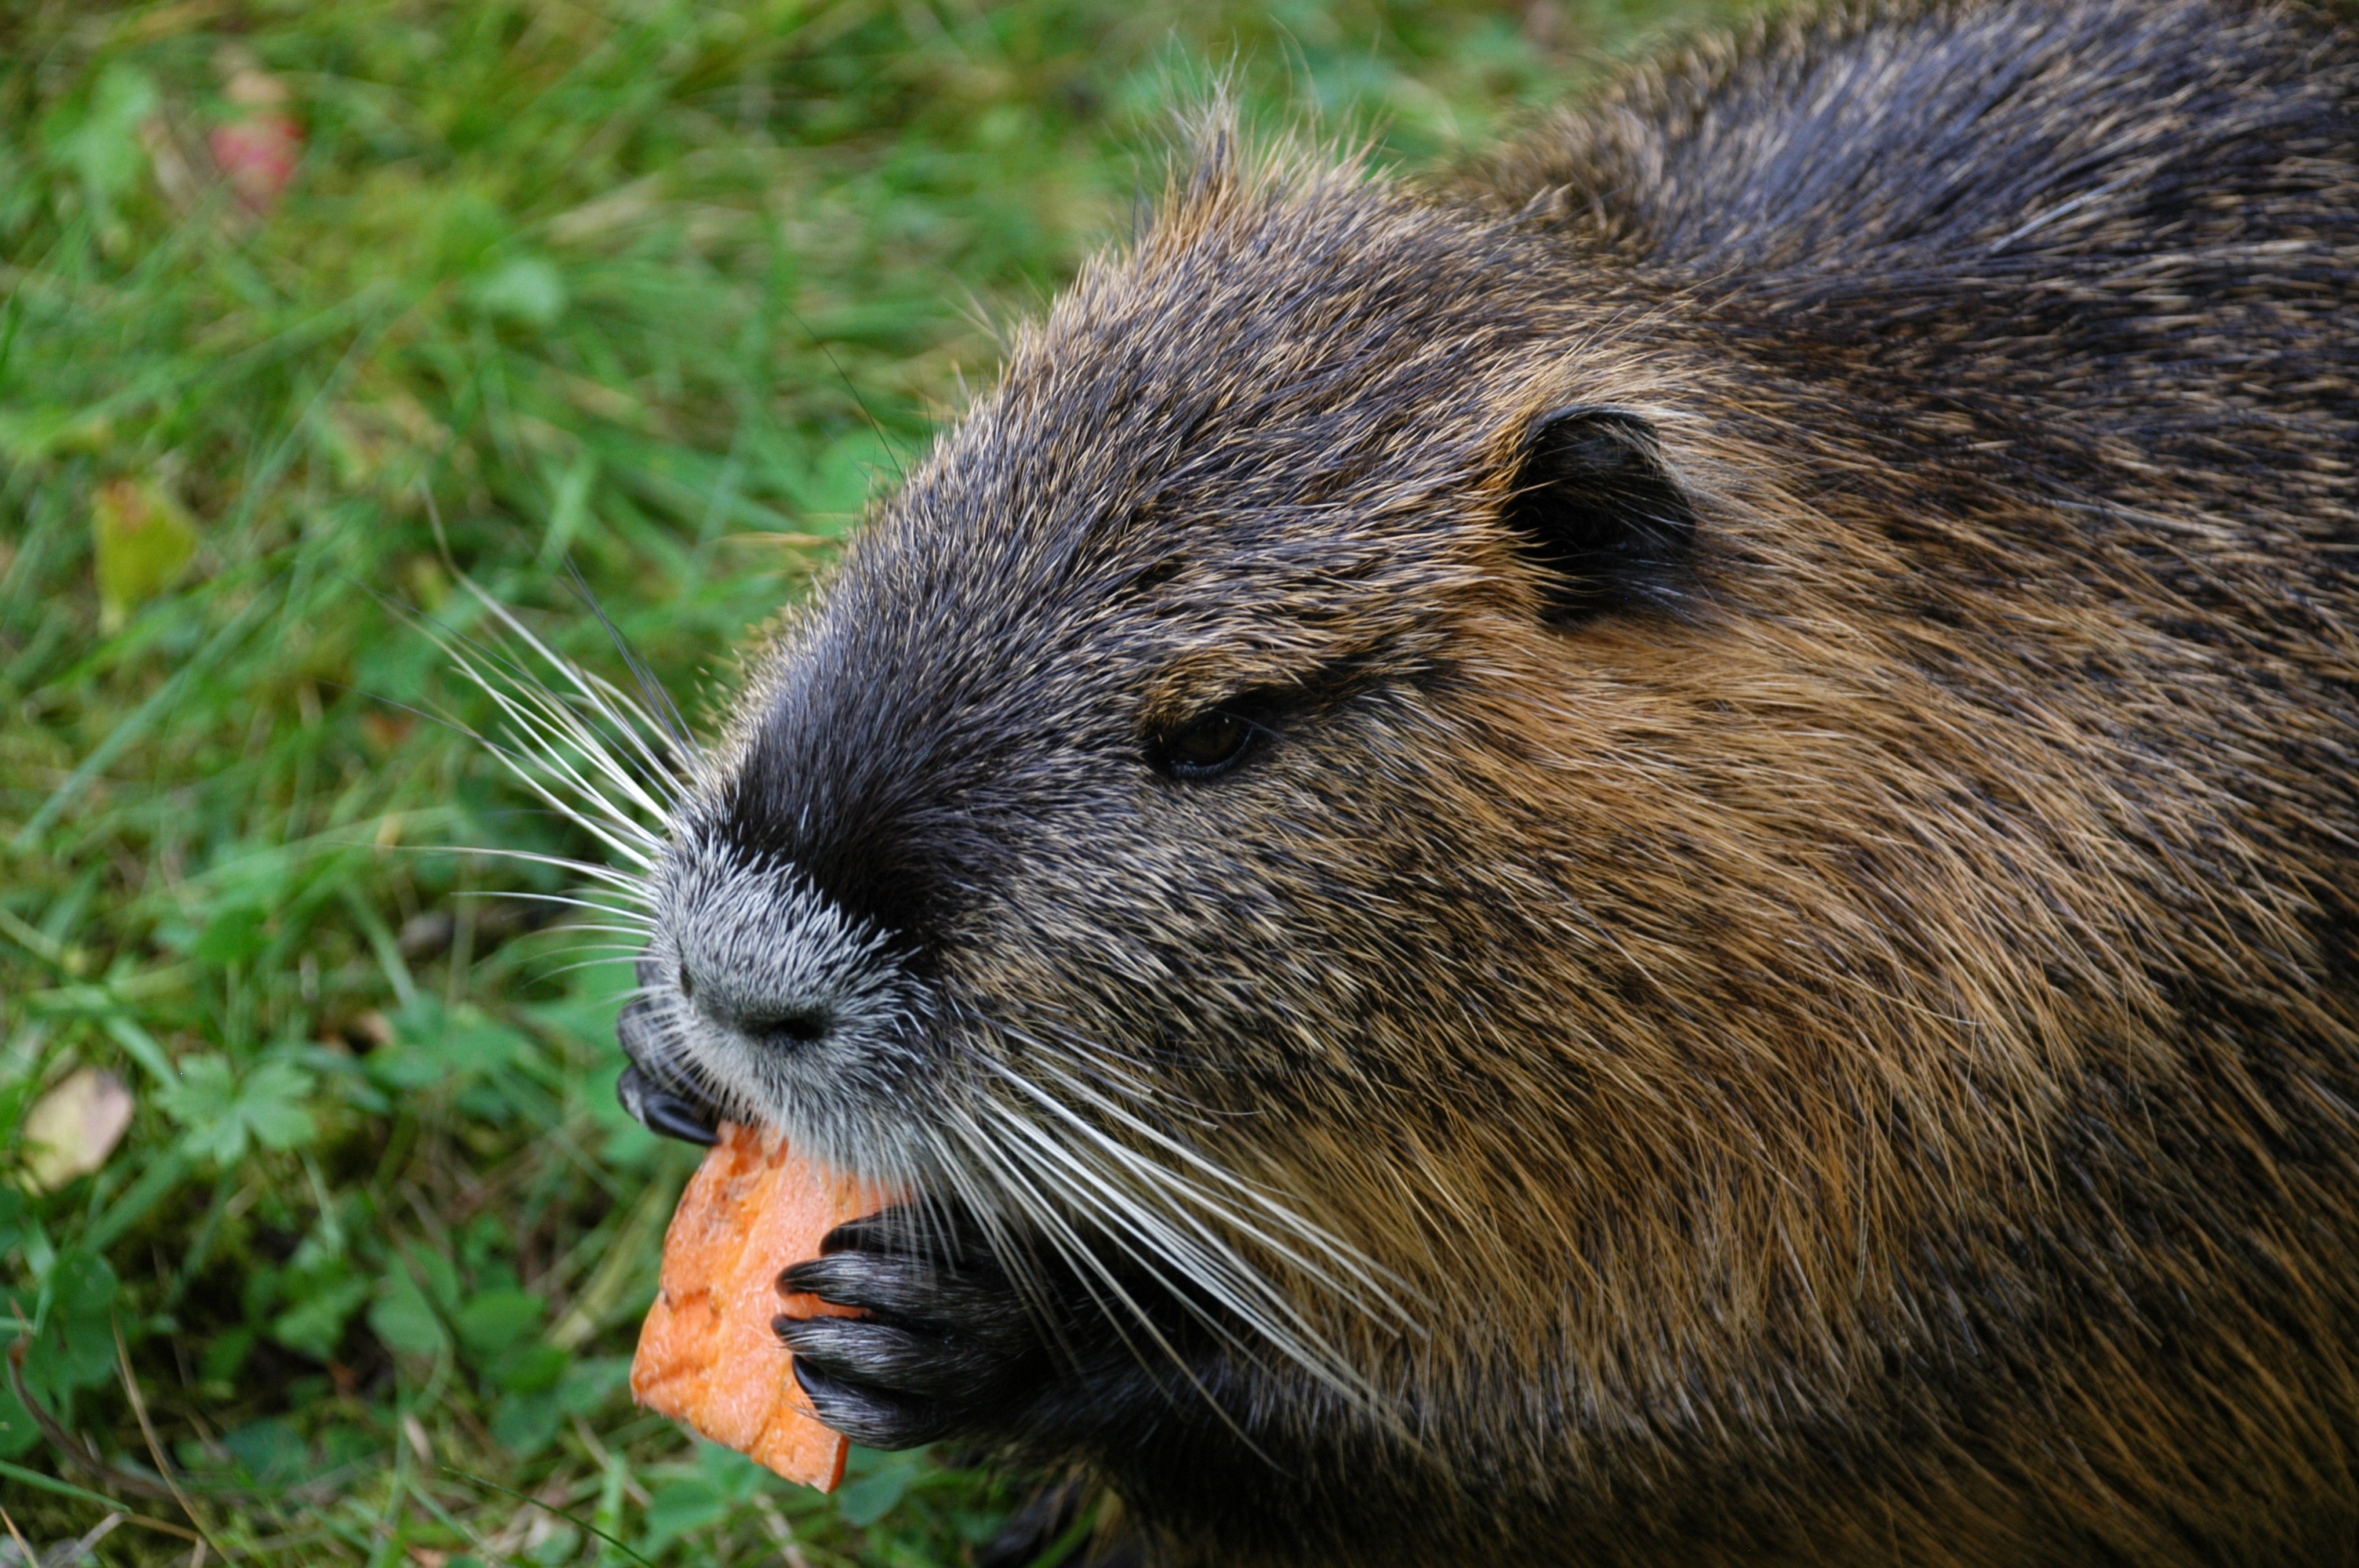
(1348, 774)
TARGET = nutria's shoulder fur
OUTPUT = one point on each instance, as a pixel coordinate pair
(1642, 856)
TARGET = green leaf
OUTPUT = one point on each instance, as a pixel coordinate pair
(222, 1115)
(432, 1046)
(531, 1368)
(17, 1431)
(343, 1444)
(589, 1384)
(882, 1480)
(528, 291)
(734, 1472)
(271, 1450)
(403, 1320)
(75, 1346)
(272, 1103)
(232, 936)
(205, 1102)
(102, 144)
(315, 1324)
(440, 1275)
(680, 1507)
(524, 1425)
(225, 1357)
(497, 1319)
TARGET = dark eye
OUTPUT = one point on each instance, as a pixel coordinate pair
(1210, 743)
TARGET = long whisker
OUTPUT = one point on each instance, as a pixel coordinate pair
(630, 718)
(1360, 1279)
(547, 713)
(665, 713)
(642, 926)
(561, 757)
(581, 900)
(1049, 1221)
(613, 953)
(611, 824)
(1156, 1217)
(631, 887)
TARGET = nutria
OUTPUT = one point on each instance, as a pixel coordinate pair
(1641, 855)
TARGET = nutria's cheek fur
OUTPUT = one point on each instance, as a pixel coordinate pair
(1644, 856)
(1701, 1081)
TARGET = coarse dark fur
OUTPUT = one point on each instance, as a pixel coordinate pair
(1644, 856)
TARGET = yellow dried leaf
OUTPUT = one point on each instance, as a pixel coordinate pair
(75, 1127)
(144, 541)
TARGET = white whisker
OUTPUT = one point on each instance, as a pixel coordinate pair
(567, 899)
(1156, 1219)
(627, 715)
(612, 954)
(631, 887)
(1361, 1282)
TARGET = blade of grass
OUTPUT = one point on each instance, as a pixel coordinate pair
(155, 1449)
(38, 1482)
(568, 1517)
(126, 734)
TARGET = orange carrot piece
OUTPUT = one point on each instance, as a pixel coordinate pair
(707, 1353)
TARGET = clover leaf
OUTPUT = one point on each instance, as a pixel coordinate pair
(221, 1113)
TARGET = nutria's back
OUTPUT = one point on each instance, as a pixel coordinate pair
(1648, 856)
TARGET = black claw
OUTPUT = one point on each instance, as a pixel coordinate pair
(662, 1111)
(952, 1342)
(964, 1376)
(852, 1348)
(973, 1306)
(943, 1344)
(869, 1419)
(890, 1230)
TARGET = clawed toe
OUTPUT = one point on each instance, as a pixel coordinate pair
(940, 1345)
(868, 1416)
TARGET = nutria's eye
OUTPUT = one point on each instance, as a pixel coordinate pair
(1210, 743)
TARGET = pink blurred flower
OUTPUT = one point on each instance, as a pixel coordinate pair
(258, 152)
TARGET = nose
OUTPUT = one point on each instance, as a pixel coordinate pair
(789, 1029)
(779, 1026)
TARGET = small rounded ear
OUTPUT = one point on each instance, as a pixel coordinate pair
(1593, 509)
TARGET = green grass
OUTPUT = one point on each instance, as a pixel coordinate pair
(655, 288)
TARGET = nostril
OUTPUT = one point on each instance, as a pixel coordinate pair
(796, 1026)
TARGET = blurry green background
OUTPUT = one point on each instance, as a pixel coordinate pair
(656, 289)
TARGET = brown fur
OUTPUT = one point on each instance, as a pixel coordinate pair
(1851, 1060)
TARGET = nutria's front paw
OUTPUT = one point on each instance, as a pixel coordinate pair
(947, 1347)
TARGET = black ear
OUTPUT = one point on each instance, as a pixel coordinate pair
(1593, 510)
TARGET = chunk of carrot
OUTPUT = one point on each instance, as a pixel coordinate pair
(707, 1353)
